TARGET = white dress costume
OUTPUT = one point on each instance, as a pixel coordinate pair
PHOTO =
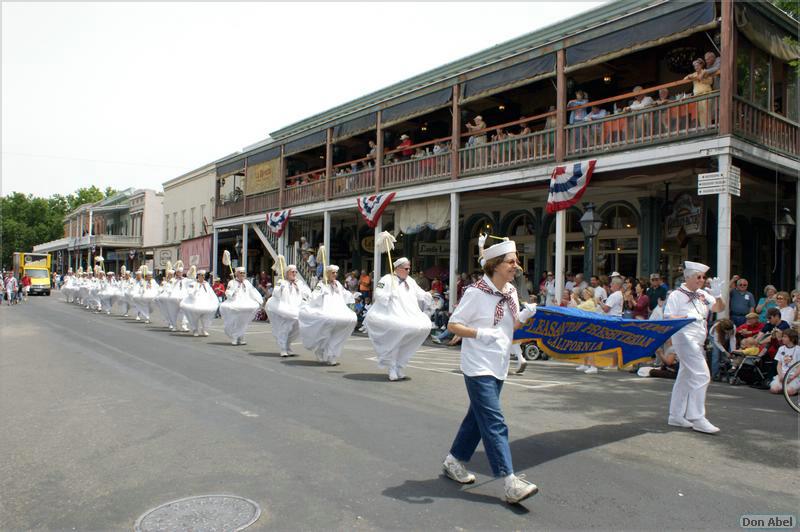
(283, 310)
(326, 321)
(689, 391)
(144, 297)
(172, 302)
(126, 295)
(395, 323)
(106, 294)
(161, 301)
(199, 307)
(241, 304)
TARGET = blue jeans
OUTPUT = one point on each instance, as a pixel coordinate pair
(484, 421)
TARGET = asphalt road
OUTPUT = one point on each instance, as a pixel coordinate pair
(103, 418)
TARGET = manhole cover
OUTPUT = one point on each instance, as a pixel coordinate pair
(201, 513)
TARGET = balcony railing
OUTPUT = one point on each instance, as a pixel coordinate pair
(773, 130)
(263, 202)
(688, 117)
(228, 210)
(307, 193)
(118, 240)
(416, 170)
(508, 152)
(353, 183)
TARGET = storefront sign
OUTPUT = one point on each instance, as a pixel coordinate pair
(435, 249)
(164, 255)
(686, 215)
(262, 177)
(197, 252)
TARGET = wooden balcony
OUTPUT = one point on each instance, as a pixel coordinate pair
(230, 209)
(362, 181)
(684, 118)
(508, 153)
(263, 202)
(307, 193)
(416, 170)
(773, 130)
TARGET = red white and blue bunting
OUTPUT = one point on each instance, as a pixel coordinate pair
(372, 207)
(277, 220)
(567, 185)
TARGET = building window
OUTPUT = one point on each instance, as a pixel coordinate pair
(166, 228)
(174, 226)
(183, 224)
(203, 218)
(191, 221)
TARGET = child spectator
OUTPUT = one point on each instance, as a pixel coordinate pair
(787, 355)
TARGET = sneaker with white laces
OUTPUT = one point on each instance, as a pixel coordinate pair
(284, 354)
(704, 425)
(205, 333)
(582, 367)
(518, 489)
(455, 469)
(591, 370)
(682, 422)
(393, 374)
(234, 342)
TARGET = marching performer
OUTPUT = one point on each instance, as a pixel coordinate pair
(242, 301)
(180, 289)
(161, 300)
(68, 287)
(125, 285)
(325, 319)
(147, 291)
(107, 292)
(486, 318)
(395, 324)
(200, 305)
(283, 309)
(687, 407)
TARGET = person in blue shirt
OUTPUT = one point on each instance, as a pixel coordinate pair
(742, 302)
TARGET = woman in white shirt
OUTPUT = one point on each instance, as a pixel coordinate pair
(486, 318)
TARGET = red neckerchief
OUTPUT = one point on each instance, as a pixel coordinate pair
(509, 297)
(693, 295)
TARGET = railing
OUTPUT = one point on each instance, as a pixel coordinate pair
(416, 170)
(353, 183)
(229, 210)
(508, 152)
(698, 115)
(263, 202)
(308, 193)
(773, 130)
(117, 240)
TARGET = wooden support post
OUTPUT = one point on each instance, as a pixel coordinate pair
(379, 152)
(561, 107)
(727, 69)
(282, 180)
(328, 162)
(455, 143)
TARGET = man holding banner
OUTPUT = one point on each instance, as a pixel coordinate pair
(687, 407)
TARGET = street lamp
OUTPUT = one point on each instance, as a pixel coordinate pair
(783, 225)
(590, 224)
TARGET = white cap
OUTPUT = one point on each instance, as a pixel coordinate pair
(499, 250)
(401, 261)
(203, 272)
(237, 270)
(695, 267)
(403, 136)
(615, 274)
(179, 269)
(291, 268)
(332, 268)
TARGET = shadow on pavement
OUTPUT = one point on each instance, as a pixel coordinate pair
(313, 363)
(367, 377)
(264, 354)
(441, 487)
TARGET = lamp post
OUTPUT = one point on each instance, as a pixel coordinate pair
(590, 224)
(784, 223)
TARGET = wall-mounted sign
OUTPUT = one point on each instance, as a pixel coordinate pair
(368, 245)
(687, 216)
(434, 249)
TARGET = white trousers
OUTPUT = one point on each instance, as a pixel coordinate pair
(689, 392)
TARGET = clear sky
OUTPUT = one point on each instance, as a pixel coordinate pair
(134, 94)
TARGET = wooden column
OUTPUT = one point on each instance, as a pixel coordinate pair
(727, 69)
(244, 189)
(282, 180)
(379, 152)
(328, 162)
(561, 107)
(455, 143)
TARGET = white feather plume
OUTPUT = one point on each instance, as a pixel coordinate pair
(321, 253)
(384, 242)
(226, 258)
(193, 271)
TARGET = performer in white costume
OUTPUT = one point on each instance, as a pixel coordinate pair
(283, 309)
(325, 319)
(145, 294)
(125, 285)
(242, 301)
(68, 287)
(200, 305)
(163, 295)
(395, 323)
(107, 291)
(687, 407)
(172, 303)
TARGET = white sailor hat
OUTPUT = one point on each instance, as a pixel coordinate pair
(357, 295)
(291, 268)
(695, 267)
(110, 273)
(332, 268)
(401, 261)
(203, 272)
(499, 250)
(237, 270)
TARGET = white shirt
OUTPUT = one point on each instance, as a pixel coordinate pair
(787, 314)
(679, 304)
(600, 294)
(786, 356)
(476, 310)
(615, 302)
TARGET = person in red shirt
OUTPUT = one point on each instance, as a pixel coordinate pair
(26, 286)
(751, 327)
(405, 142)
(437, 286)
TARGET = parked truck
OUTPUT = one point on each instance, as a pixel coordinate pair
(37, 267)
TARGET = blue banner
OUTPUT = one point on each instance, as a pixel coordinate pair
(569, 333)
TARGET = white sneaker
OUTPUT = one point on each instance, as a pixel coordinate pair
(108, 313)
(234, 342)
(393, 375)
(518, 489)
(138, 318)
(195, 333)
(147, 322)
(284, 354)
(171, 328)
(679, 422)
(333, 362)
(582, 367)
(400, 374)
(241, 341)
(704, 425)
(205, 333)
(291, 353)
(591, 370)
(456, 470)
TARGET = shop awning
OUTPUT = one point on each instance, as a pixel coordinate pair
(303, 143)
(355, 126)
(266, 155)
(658, 30)
(417, 106)
(511, 76)
(765, 34)
(230, 168)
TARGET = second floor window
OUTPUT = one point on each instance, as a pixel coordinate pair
(183, 224)
(166, 228)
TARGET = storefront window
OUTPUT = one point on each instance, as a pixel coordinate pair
(761, 77)
(792, 96)
(743, 69)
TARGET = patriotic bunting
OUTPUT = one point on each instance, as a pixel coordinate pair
(277, 220)
(567, 185)
(372, 207)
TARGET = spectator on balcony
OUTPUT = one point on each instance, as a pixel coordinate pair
(304, 244)
(596, 113)
(498, 150)
(373, 149)
(702, 83)
(479, 126)
(663, 97)
(405, 147)
(640, 100)
(713, 64)
(578, 115)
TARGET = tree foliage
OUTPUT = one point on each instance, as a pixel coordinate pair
(26, 220)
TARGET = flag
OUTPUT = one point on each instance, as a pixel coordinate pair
(567, 185)
(372, 207)
(277, 220)
(570, 333)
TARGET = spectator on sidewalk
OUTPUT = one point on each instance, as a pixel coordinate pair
(742, 302)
